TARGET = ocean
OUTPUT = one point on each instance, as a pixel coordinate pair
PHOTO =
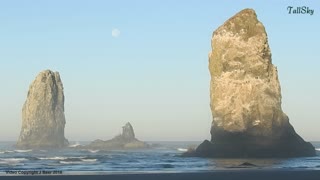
(163, 157)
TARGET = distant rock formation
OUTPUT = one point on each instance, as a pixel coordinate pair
(245, 96)
(126, 140)
(127, 132)
(43, 119)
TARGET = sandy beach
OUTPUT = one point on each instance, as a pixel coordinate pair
(220, 175)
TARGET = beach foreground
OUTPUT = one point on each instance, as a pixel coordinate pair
(221, 175)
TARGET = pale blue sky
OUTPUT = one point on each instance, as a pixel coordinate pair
(155, 73)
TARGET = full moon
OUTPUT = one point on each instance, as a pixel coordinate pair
(115, 32)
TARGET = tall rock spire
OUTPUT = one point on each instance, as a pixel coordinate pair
(43, 119)
(245, 96)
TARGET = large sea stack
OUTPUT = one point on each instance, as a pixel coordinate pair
(43, 119)
(245, 96)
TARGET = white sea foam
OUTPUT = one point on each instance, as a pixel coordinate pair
(317, 149)
(182, 149)
(77, 157)
(3, 152)
(53, 158)
(12, 160)
(81, 161)
(93, 151)
(75, 145)
(89, 160)
(22, 150)
(71, 162)
(11, 163)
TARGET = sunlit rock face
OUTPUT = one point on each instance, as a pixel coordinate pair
(43, 118)
(245, 96)
(126, 140)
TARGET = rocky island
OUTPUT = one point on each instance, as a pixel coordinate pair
(43, 118)
(245, 96)
(126, 140)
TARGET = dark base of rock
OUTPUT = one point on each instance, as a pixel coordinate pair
(247, 150)
(281, 143)
(119, 142)
(42, 145)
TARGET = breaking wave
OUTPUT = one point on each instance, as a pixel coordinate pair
(182, 149)
(70, 162)
(75, 145)
(22, 150)
(93, 151)
(79, 161)
(3, 152)
(89, 160)
(53, 158)
(11, 160)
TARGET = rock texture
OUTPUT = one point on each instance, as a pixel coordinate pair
(127, 132)
(245, 96)
(43, 119)
(126, 140)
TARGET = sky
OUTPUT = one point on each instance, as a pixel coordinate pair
(146, 62)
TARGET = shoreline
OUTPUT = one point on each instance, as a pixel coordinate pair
(239, 174)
